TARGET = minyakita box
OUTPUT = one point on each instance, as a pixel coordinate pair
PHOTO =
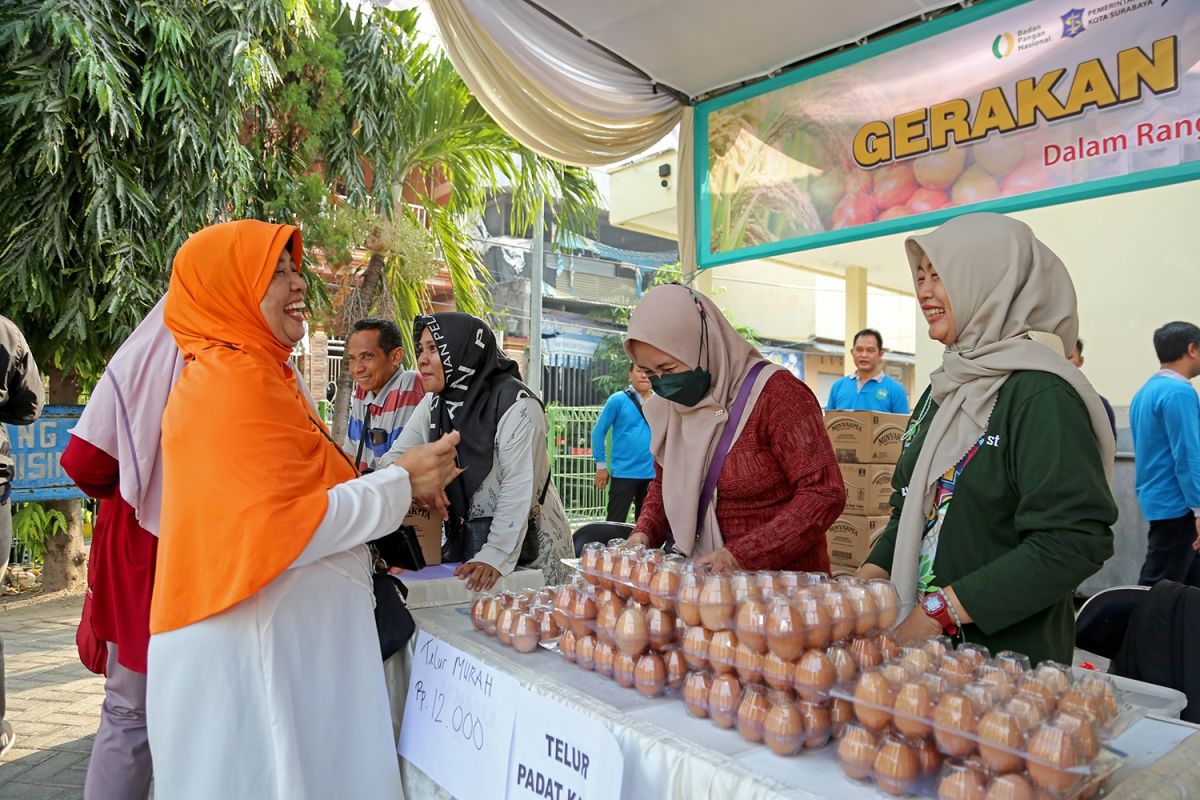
(865, 437)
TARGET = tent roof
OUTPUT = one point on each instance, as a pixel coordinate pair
(700, 46)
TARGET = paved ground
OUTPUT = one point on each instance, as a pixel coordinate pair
(53, 702)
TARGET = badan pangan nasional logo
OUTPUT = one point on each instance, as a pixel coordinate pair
(1002, 45)
(1072, 23)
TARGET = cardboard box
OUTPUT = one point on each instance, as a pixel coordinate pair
(868, 488)
(865, 437)
(429, 532)
(850, 537)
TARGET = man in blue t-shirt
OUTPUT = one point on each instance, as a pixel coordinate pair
(868, 389)
(631, 467)
(1165, 421)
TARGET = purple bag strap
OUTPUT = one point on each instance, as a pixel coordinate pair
(725, 443)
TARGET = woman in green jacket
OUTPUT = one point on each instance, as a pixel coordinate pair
(1001, 503)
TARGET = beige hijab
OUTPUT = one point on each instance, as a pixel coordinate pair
(1014, 306)
(683, 439)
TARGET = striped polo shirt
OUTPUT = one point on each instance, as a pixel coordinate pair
(390, 409)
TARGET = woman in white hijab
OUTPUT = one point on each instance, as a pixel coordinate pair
(1001, 504)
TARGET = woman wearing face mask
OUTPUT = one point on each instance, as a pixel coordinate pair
(1002, 504)
(265, 678)
(745, 476)
(504, 494)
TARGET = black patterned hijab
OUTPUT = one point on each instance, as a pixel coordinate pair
(482, 382)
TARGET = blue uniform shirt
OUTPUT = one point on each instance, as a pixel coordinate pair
(1165, 421)
(881, 393)
(630, 457)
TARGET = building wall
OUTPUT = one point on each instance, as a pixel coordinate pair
(776, 301)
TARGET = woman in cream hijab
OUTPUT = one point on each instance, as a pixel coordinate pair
(778, 489)
(1002, 504)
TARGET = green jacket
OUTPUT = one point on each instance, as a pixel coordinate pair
(1029, 521)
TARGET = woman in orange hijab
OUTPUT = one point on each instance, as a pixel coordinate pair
(266, 679)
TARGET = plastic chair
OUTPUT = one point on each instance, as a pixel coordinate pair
(600, 532)
(1102, 621)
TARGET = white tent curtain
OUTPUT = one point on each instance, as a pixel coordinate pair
(554, 92)
(685, 197)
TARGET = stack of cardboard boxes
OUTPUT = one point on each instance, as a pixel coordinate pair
(867, 445)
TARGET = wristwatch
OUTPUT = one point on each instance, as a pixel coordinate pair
(937, 606)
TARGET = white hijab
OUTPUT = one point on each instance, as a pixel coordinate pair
(1014, 306)
(123, 417)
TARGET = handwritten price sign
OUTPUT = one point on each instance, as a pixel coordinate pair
(458, 719)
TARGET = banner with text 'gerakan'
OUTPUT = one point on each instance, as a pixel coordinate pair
(1003, 106)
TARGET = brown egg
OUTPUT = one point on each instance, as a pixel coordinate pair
(1039, 688)
(1052, 753)
(564, 598)
(1079, 703)
(504, 624)
(865, 653)
(813, 615)
(604, 597)
(783, 729)
(915, 660)
(696, 641)
(1102, 688)
(631, 633)
(790, 579)
(752, 713)
(687, 599)
(1015, 664)
(1001, 741)
(961, 781)
(843, 663)
(913, 708)
(665, 584)
(607, 566)
(954, 723)
(627, 562)
(896, 766)
(548, 627)
(643, 574)
(886, 600)
(751, 624)
(566, 645)
(956, 671)
(623, 667)
(1058, 676)
(661, 627)
(856, 752)
(606, 619)
(976, 654)
(506, 599)
(650, 676)
(785, 630)
(477, 611)
(889, 648)
(676, 668)
(723, 698)
(585, 651)
(722, 651)
(818, 723)
(717, 602)
(742, 583)
(490, 614)
(768, 583)
(526, 633)
(748, 663)
(814, 675)
(589, 561)
(874, 697)
(695, 693)
(778, 673)
(928, 755)
(841, 713)
(936, 647)
(1009, 787)
(998, 680)
(1084, 733)
(841, 613)
(1028, 709)
(583, 614)
(603, 658)
(866, 611)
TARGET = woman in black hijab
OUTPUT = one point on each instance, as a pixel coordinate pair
(502, 510)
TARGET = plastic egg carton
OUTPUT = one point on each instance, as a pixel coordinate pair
(996, 722)
(520, 620)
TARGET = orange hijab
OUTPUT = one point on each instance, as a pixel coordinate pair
(246, 463)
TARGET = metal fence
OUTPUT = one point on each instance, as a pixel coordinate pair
(569, 442)
(569, 381)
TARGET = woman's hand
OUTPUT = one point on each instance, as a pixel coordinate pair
(430, 467)
(637, 537)
(869, 572)
(480, 577)
(916, 626)
(720, 561)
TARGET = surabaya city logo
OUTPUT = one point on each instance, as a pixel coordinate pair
(1003, 45)
(1072, 23)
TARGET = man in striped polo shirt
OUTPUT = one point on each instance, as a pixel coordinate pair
(384, 394)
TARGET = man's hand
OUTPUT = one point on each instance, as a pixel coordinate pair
(871, 571)
(1196, 543)
(916, 626)
(720, 561)
(480, 577)
(601, 477)
(430, 467)
(637, 537)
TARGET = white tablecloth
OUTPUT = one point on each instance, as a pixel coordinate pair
(671, 755)
(436, 585)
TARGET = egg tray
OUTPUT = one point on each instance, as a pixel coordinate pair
(997, 710)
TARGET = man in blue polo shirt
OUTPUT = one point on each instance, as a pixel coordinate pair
(868, 389)
(1165, 421)
(630, 468)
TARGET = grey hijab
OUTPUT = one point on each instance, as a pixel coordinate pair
(1014, 306)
